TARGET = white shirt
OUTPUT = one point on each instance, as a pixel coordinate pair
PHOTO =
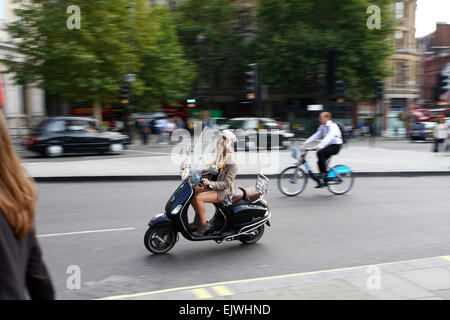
(441, 131)
(330, 133)
(447, 122)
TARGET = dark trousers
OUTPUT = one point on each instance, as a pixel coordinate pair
(324, 154)
(437, 142)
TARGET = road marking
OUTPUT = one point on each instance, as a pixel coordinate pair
(149, 152)
(202, 293)
(283, 276)
(222, 291)
(82, 232)
(446, 258)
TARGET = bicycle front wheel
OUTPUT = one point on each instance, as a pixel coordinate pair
(340, 179)
(292, 181)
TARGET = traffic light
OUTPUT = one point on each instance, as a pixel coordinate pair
(251, 79)
(125, 91)
(443, 84)
(379, 90)
(340, 90)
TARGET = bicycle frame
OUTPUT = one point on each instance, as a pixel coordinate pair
(332, 175)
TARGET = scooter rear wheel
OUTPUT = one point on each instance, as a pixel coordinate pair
(249, 239)
(159, 240)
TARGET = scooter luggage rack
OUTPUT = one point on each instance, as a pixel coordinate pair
(262, 183)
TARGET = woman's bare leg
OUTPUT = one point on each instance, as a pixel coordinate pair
(194, 199)
(201, 199)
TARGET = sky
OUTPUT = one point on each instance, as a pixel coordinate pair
(428, 13)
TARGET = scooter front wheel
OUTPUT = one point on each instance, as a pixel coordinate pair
(160, 240)
(257, 234)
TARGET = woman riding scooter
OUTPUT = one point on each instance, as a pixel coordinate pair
(221, 188)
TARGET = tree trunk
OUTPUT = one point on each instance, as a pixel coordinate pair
(98, 111)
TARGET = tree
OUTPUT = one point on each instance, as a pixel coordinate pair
(115, 38)
(208, 30)
(294, 38)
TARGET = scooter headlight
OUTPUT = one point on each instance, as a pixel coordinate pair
(184, 173)
(177, 209)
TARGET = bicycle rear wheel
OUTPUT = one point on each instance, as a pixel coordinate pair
(340, 179)
(292, 181)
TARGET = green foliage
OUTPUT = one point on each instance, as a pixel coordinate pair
(89, 63)
(208, 32)
(295, 35)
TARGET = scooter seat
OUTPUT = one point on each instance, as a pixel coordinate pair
(237, 196)
(250, 193)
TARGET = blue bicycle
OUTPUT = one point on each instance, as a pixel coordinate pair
(292, 180)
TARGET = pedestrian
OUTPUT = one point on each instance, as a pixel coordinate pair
(143, 131)
(440, 134)
(169, 129)
(180, 123)
(372, 133)
(21, 264)
(447, 122)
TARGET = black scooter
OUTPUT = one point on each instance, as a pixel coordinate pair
(241, 217)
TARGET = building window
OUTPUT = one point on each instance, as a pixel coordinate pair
(173, 4)
(2, 10)
(399, 9)
(401, 76)
(399, 39)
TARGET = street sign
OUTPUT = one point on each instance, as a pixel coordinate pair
(315, 107)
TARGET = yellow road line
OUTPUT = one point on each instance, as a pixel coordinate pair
(202, 293)
(222, 291)
(446, 257)
(283, 276)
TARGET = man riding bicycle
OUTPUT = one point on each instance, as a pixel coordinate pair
(330, 145)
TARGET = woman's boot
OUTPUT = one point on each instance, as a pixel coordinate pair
(202, 229)
(195, 224)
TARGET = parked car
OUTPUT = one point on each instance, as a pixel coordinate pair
(422, 131)
(61, 135)
(218, 123)
(249, 134)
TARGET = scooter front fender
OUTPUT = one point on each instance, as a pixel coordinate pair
(161, 220)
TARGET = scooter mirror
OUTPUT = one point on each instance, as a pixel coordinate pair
(214, 170)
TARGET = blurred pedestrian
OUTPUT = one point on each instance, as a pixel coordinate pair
(447, 122)
(160, 125)
(169, 129)
(21, 264)
(440, 134)
(372, 133)
(143, 130)
(180, 123)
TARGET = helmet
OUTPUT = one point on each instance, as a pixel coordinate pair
(231, 137)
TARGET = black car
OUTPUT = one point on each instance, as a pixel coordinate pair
(57, 136)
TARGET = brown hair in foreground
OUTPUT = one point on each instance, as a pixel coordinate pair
(17, 191)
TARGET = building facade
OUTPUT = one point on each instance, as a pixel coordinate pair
(22, 104)
(435, 49)
(402, 90)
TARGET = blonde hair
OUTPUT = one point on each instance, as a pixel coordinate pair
(223, 155)
(17, 191)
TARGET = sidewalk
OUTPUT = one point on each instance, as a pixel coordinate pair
(163, 165)
(421, 279)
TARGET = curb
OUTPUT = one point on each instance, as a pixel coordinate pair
(125, 178)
